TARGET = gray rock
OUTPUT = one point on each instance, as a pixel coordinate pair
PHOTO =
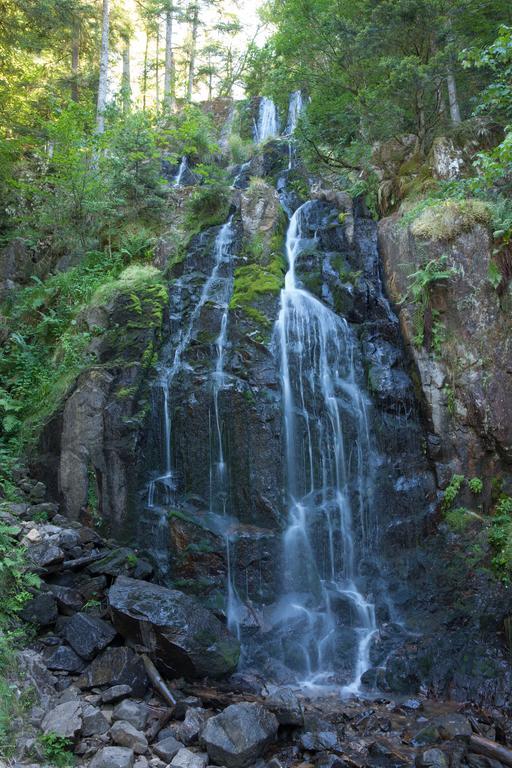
(45, 554)
(429, 734)
(432, 758)
(141, 762)
(94, 723)
(69, 600)
(167, 748)
(46, 508)
(286, 707)
(40, 610)
(125, 734)
(64, 659)
(88, 635)
(182, 637)
(37, 676)
(64, 720)
(116, 666)
(113, 757)
(70, 694)
(454, 726)
(319, 741)
(239, 735)
(188, 731)
(185, 758)
(132, 712)
(182, 705)
(116, 693)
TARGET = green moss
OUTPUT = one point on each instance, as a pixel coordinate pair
(460, 518)
(125, 392)
(446, 219)
(254, 281)
(230, 652)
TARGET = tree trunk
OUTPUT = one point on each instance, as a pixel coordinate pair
(193, 47)
(168, 67)
(75, 60)
(126, 88)
(145, 73)
(452, 97)
(103, 81)
(157, 66)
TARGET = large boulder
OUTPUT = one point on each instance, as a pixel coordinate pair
(116, 666)
(88, 635)
(238, 736)
(180, 636)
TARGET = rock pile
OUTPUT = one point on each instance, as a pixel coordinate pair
(102, 626)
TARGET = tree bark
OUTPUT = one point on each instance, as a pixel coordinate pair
(193, 47)
(126, 88)
(452, 97)
(103, 81)
(157, 66)
(75, 60)
(145, 73)
(169, 64)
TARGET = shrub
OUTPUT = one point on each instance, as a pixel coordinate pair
(451, 492)
(476, 486)
(57, 750)
(209, 204)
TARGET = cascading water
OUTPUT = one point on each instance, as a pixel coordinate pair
(162, 487)
(219, 480)
(295, 110)
(329, 465)
(267, 126)
(178, 179)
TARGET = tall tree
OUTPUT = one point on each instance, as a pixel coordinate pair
(103, 78)
(194, 21)
(169, 60)
(126, 88)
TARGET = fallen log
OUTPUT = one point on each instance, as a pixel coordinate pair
(489, 748)
(69, 565)
(212, 697)
(158, 681)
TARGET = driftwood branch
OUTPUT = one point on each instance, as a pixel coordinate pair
(158, 681)
(492, 749)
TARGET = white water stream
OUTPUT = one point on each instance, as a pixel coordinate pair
(329, 480)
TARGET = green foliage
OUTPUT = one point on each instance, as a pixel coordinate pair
(16, 584)
(421, 283)
(57, 750)
(476, 486)
(15, 579)
(451, 492)
(373, 70)
(209, 204)
(500, 539)
(189, 132)
(459, 518)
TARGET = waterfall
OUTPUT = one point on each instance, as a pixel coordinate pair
(181, 171)
(219, 480)
(294, 112)
(267, 125)
(329, 458)
(161, 488)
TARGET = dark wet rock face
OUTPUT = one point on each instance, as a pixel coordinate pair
(181, 637)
